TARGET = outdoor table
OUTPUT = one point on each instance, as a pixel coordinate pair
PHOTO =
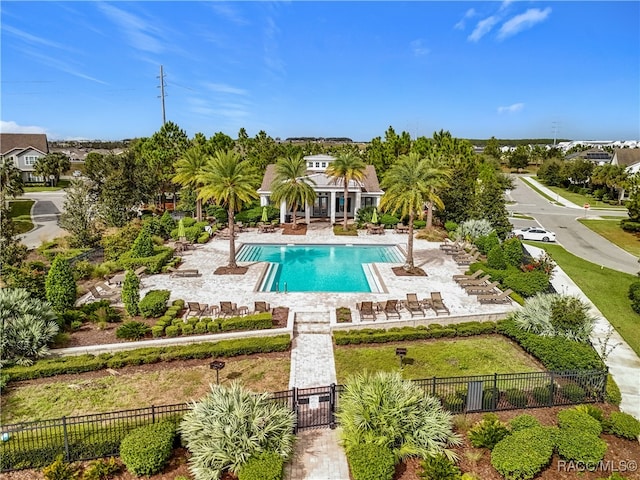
(243, 310)
(117, 279)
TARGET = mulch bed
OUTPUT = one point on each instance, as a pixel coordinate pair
(414, 272)
(301, 229)
(230, 270)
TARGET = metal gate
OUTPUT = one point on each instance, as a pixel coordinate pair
(315, 407)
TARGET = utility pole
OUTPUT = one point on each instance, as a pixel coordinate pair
(555, 132)
(161, 77)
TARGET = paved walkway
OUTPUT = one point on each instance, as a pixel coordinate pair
(318, 454)
(623, 362)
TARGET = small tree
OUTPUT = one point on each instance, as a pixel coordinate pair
(52, 165)
(60, 285)
(519, 158)
(143, 246)
(495, 258)
(80, 213)
(512, 249)
(131, 292)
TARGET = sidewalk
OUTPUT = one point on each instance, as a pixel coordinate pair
(550, 193)
(623, 363)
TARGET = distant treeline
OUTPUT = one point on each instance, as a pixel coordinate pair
(92, 144)
(524, 141)
(320, 139)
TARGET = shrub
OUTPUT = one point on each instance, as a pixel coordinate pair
(490, 398)
(495, 258)
(516, 397)
(157, 331)
(613, 394)
(629, 225)
(60, 286)
(580, 446)
(101, 469)
(231, 425)
(60, 470)
(542, 395)
(453, 403)
(450, 226)
(634, 296)
(154, 303)
(264, 466)
(369, 461)
(486, 243)
(572, 419)
(146, 450)
(572, 392)
(513, 254)
(622, 425)
(439, 467)
(173, 331)
(132, 330)
(487, 432)
(570, 318)
(523, 421)
(187, 329)
(200, 328)
(178, 303)
(398, 415)
(131, 293)
(143, 245)
(522, 455)
(527, 284)
(388, 220)
(469, 230)
(258, 321)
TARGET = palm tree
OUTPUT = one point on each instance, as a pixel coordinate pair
(187, 169)
(291, 185)
(232, 183)
(11, 184)
(344, 169)
(409, 184)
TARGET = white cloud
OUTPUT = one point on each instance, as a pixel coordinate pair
(523, 21)
(141, 34)
(482, 28)
(13, 127)
(227, 11)
(462, 23)
(418, 48)
(224, 88)
(516, 107)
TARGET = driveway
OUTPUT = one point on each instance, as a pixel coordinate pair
(45, 214)
(571, 234)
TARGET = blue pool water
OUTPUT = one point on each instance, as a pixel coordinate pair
(320, 268)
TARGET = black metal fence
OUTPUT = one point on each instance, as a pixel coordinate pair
(35, 444)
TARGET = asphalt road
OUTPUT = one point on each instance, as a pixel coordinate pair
(45, 214)
(570, 233)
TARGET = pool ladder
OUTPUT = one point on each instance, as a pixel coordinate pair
(278, 288)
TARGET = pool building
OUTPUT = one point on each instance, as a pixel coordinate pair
(330, 202)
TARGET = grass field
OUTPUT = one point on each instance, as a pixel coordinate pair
(259, 373)
(580, 199)
(607, 289)
(20, 213)
(439, 358)
(611, 230)
(61, 184)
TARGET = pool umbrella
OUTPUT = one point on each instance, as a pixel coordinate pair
(181, 232)
(374, 217)
(265, 216)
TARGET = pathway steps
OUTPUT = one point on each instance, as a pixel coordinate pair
(317, 456)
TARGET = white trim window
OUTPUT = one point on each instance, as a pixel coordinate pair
(30, 160)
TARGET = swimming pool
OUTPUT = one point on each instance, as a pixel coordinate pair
(320, 268)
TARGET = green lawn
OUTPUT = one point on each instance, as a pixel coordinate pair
(541, 193)
(39, 188)
(22, 403)
(611, 230)
(606, 288)
(439, 358)
(20, 213)
(580, 199)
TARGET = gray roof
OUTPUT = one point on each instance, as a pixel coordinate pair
(370, 182)
(21, 141)
(627, 156)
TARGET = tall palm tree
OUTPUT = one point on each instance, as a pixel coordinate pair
(11, 184)
(291, 185)
(232, 183)
(346, 168)
(409, 184)
(187, 168)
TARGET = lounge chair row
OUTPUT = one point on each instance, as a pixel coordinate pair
(224, 309)
(391, 308)
(486, 291)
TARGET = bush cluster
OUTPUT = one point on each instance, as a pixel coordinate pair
(265, 466)
(556, 353)
(622, 425)
(634, 296)
(527, 284)
(172, 327)
(578, 439)
(439, 467)
(487, 432)
(369, 461)
(88, 363)
(154, 303)
(522, 422)
(574, 419)
(146, 450)
(154, 263)
(421, 332)
(523, 454)
(132, 330)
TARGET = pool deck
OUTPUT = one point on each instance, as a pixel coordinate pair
(241, 289)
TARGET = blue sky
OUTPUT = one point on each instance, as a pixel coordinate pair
(512, 70)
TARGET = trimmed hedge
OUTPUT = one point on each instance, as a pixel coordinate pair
(154, 303)
(372, 335)
(580, 446)
(146, 450)
(88, 363)
(556, 353)
(622, 425)
(572, 419)
(523, 421)
(522, 455)
(154, 263)
(259, 321)
(371, 462)
(266, 466)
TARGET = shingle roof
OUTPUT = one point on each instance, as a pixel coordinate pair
(22, 141)
(369, 183)
(627, 156)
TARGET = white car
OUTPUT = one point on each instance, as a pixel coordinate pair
(534, 233)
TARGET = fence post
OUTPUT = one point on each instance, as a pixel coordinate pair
(153, 414)
(66, 440)
(433, 387)
(552, 388)
(332, 406)
(495, 393)
(603, 383)
(295, 408)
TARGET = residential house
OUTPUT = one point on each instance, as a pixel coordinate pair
(330, 202)
(24, 150)
(595, 155)
(628, 158)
